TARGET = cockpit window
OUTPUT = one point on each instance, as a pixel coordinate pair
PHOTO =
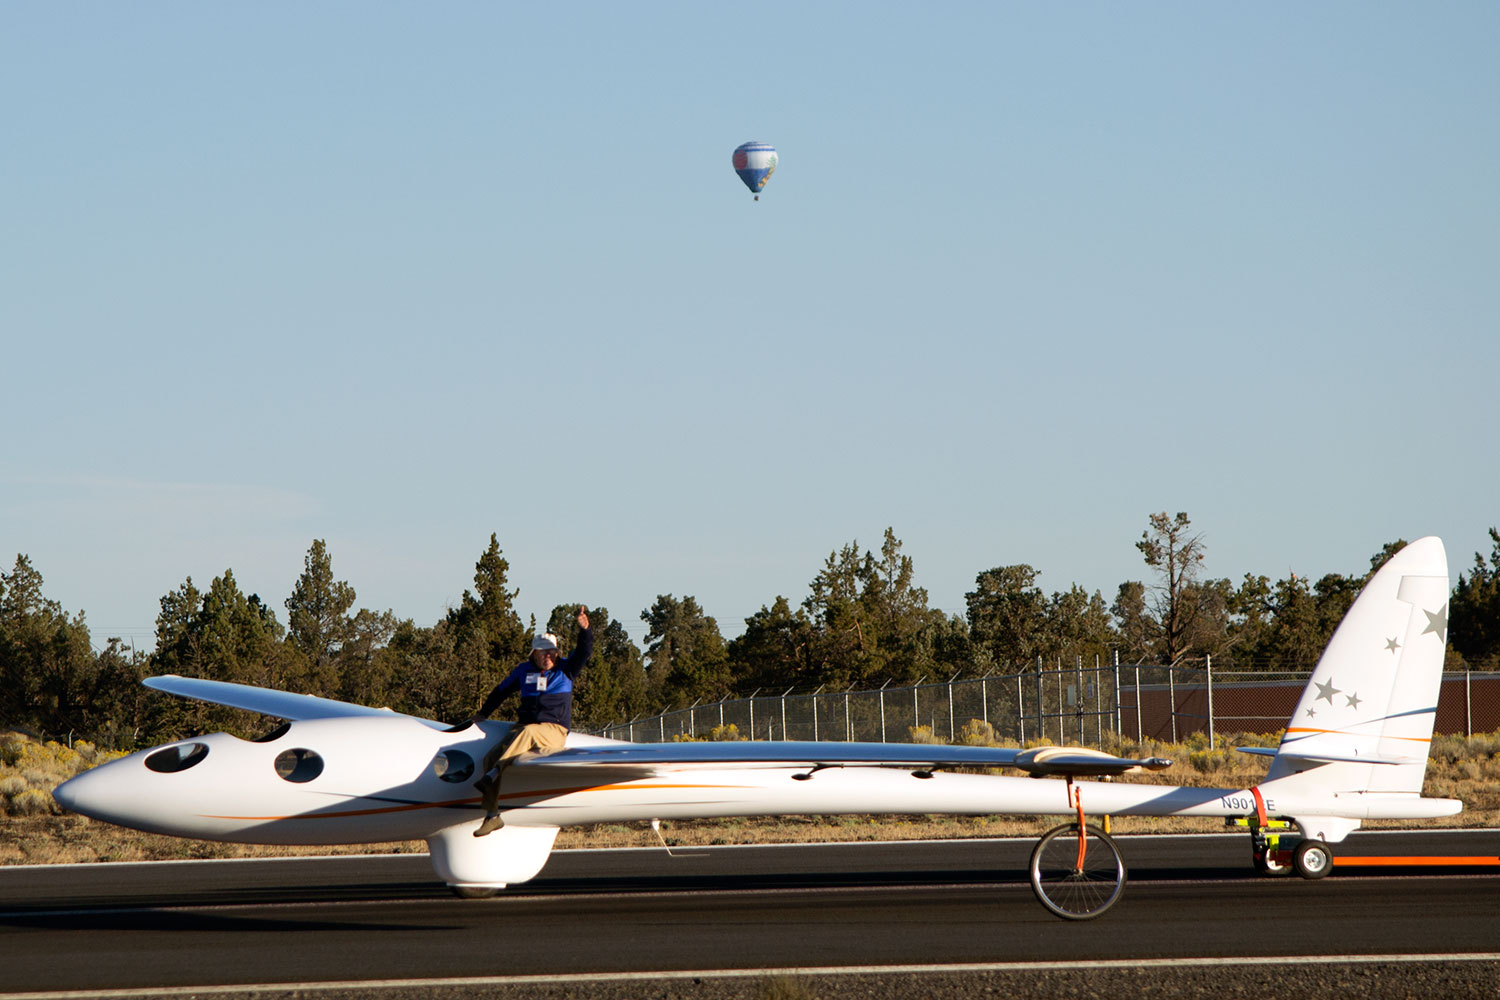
(298, 765)
(453, 765)
(171, 759)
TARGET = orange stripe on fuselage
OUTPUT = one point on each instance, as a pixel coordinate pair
(449, 803)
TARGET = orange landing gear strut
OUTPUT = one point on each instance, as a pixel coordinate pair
(1076, 870)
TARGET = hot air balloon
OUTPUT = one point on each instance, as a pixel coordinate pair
(755, 162)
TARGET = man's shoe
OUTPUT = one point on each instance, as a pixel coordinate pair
(491, 823)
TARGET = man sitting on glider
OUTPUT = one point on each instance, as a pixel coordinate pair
(546, 686)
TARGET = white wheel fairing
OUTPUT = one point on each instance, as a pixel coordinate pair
(510, 854)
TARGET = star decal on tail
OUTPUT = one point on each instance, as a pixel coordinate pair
(1437, 622)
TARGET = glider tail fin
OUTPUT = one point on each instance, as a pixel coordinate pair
(1365, 720)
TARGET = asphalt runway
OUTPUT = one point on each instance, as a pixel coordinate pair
(383, 918)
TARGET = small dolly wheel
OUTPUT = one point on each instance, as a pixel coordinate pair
(1312, 859)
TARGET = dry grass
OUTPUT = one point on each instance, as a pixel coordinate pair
(34, 830)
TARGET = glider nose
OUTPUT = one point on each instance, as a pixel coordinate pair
(66, 795)
(73, 794)
(98, 795)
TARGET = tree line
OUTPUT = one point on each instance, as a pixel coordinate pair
(863, 623)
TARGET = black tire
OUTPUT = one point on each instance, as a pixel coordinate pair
(1313, 859)
(1070, 890)
(474, 891)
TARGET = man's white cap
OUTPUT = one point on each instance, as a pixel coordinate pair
(544, 641)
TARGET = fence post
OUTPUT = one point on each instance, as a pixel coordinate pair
(1172, 698)
(752, 712)
(1208, 660)
(1021, 707)
(783, 711)
(952, 728)
(1468, 704)
(1081, 714)
(1041, 700)
(1062, 715)
(882, 710)
(1119, 719)
(1140, 736)
(916, 718)
(815, 713)
(1098, 705)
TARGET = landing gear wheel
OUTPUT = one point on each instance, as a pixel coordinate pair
(1312, 859)
(1077, 884)
(1269, 862)
(1273, 859)
(474, 891)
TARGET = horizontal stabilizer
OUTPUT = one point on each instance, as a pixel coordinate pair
(771, 753)
(1327, 758)
(281, 704)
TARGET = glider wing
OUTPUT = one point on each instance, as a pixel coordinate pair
(281, 704)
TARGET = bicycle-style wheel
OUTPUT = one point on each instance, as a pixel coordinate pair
(1077, 881)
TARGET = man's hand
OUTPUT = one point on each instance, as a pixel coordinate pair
(583, 616)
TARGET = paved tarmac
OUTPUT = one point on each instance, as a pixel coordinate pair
(949, 918)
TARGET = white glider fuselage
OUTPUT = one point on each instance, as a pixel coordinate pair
(236, 792)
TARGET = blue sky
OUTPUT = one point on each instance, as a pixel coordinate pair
(399, 276)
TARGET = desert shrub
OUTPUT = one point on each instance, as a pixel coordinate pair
(1482, 745)
(1447, 748)
(1250, 739)
(11, 745)
(1211, 761)
(978, 733)
(30, 802)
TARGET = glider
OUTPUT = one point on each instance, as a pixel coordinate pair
(336, 773)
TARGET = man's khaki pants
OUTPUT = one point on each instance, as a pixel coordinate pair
(538, 737)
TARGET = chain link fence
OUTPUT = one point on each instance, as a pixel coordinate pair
(1095, 705)
(1075, 704)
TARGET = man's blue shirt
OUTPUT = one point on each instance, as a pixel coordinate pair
(546, 695)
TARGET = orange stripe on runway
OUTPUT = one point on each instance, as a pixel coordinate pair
(1424, 862)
